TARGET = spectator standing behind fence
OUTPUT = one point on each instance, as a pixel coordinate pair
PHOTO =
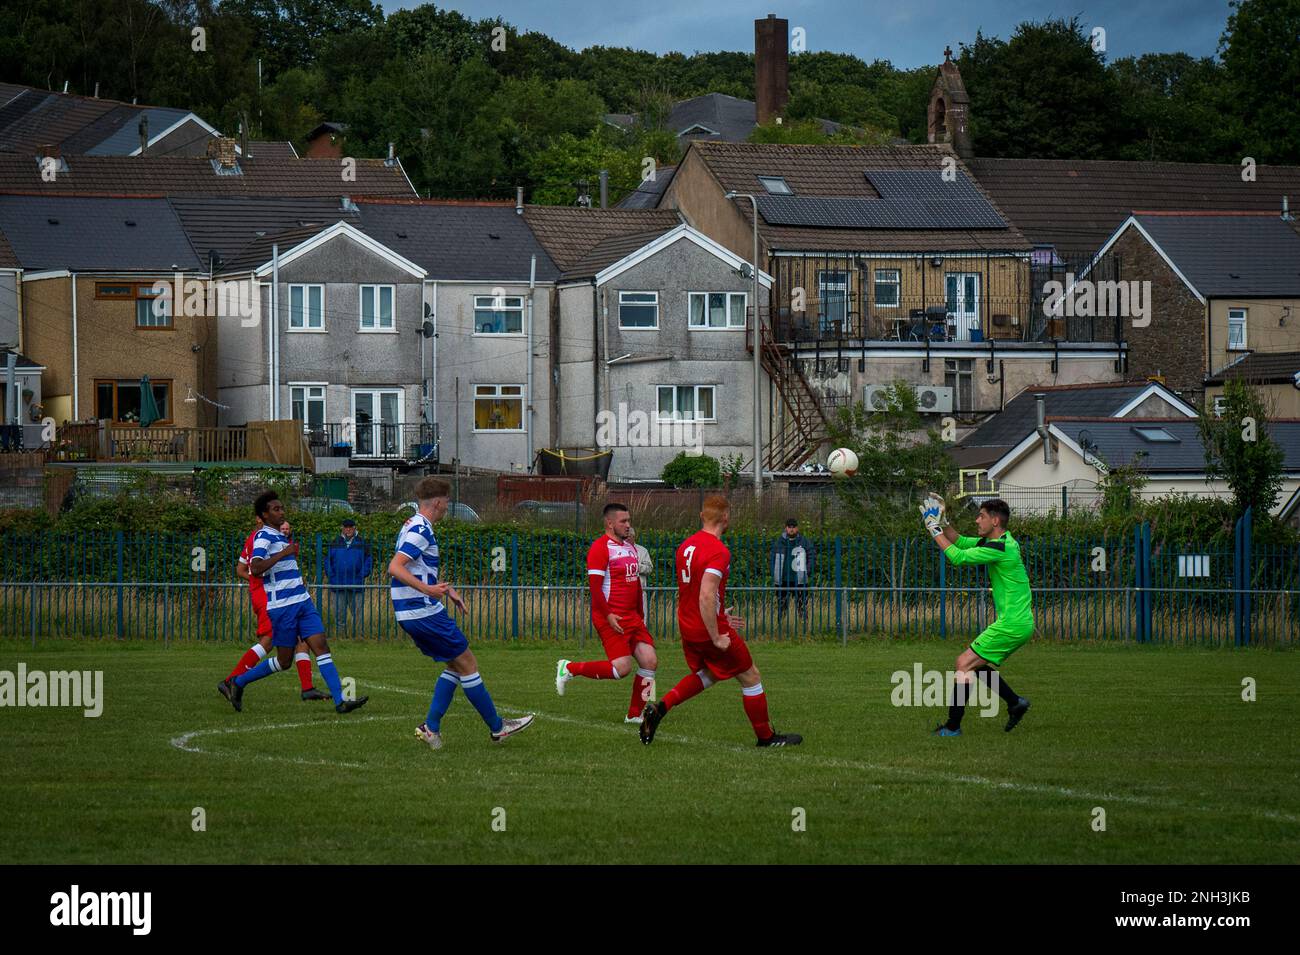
(644, 568)
(792, 570)
(347, 565)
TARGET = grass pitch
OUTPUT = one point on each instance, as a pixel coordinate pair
(1160, 739)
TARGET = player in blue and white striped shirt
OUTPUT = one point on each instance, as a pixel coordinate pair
(417, 602)
(292, 612)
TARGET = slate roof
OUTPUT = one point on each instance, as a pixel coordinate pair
(717, 116)
(8, 258)
(1230, 256)
(184, 176)
(96, 234)
(1117, 442)
(1076, 205)
(261, 249)
(23, 360)
(1260, 368)
(568, 233)
(265, 149)
(841, 172)
(472, 241)
(229, 225)
(610, 250)
(648, 194)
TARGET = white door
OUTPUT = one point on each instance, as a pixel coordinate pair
(378, 416)
(963, 294)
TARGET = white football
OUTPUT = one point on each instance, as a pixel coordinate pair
(842, 462)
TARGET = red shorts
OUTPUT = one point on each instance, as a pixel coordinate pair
(620, 644)
(263, 618)
(721, 664)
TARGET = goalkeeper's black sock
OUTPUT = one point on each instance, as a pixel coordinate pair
(957, 708)
(1009, 696)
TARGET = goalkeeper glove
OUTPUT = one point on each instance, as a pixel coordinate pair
(930, 516)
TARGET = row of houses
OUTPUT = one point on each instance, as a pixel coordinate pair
(405, 330)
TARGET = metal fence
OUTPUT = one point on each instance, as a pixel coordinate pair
(172, 587)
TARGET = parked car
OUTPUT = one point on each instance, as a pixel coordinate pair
(456, 511)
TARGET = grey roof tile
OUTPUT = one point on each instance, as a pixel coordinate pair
(1230, 256)
(90, 234)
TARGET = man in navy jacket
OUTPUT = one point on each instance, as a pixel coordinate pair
(347, 565)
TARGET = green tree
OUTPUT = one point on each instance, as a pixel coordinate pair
(1240, 451)
(568, 159)
(1261, 56)
(692, 470)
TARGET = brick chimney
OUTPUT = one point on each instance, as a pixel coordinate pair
(222, 149)
(771, 67)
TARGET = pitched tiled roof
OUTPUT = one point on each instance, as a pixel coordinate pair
(840, 171)
(1261, 368)
(1117, 442)
(228, 225)
(1076, 205)
(150, 175)
(610, 250)
(1230, 256)
(648, 193)
(568, 233)
(8, 258)
(96, 234)
(466, 241)
(261, 248)
(1014, 422)
(264, 149)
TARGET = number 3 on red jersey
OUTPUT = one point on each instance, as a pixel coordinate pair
(687, 555)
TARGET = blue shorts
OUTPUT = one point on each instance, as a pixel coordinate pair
(437, 636)
(294, 622)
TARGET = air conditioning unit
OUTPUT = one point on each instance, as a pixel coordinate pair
(930, 399)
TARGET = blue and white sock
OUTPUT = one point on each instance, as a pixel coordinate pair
(443, 690)
(325, 663)
(477, 694)
(265, 668)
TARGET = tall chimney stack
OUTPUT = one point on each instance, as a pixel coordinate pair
(771, 67)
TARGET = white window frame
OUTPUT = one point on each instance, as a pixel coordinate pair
(695, 403)
(1243, 316)
(896, 282)
(728, 327)
(654, 304)
(497, 395)
(305, 287)
(782, 190)
(377, 394)
(307, 387)
(374, 292)
(498, 303)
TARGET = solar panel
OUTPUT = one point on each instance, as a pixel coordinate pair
(909, 199)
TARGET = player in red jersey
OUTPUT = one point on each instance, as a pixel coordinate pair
(711, 638)
(616, 611)
(258, 651)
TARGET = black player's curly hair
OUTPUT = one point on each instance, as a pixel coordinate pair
(263, 501)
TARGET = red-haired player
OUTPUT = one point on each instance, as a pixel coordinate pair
(711, 640)
(616, 611)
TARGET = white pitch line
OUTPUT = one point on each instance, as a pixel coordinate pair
(181, 742)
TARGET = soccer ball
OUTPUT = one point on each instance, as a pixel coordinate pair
(842, 463)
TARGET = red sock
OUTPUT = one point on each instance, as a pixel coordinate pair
(594, 669)
(640, 692)
(755, 701)
(303, 662)
(689, 686)
(250, 659)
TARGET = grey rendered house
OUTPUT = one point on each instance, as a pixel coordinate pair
(345, 354)
(651, 358)
(488, 287)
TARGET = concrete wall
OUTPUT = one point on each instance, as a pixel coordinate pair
(467, 358)
(701, 201)
(1272, 325)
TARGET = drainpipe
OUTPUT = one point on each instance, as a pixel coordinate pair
(604, 334)
(275, 332)
(528, 375)
(1043, 431)
(431, 408)
(76, 377)
(595, 362)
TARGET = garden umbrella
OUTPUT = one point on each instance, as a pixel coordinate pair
(148, 406)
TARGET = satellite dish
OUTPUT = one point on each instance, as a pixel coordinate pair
(428, 310)
(426, 329)
(1085, 440)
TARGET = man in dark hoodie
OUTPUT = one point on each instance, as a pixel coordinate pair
(347, 565)
(792, 570)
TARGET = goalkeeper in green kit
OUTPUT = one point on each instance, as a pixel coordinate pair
(997, 550)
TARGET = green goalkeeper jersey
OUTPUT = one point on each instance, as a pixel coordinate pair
(1012, 597)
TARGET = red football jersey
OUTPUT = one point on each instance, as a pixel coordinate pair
(700, 554)
(256, 589)
(616, 562)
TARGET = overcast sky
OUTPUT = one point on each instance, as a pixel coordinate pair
(907, 32)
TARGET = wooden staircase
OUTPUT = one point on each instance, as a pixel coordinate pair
(804, 424)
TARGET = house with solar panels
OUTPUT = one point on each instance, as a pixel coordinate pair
(888, 263)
